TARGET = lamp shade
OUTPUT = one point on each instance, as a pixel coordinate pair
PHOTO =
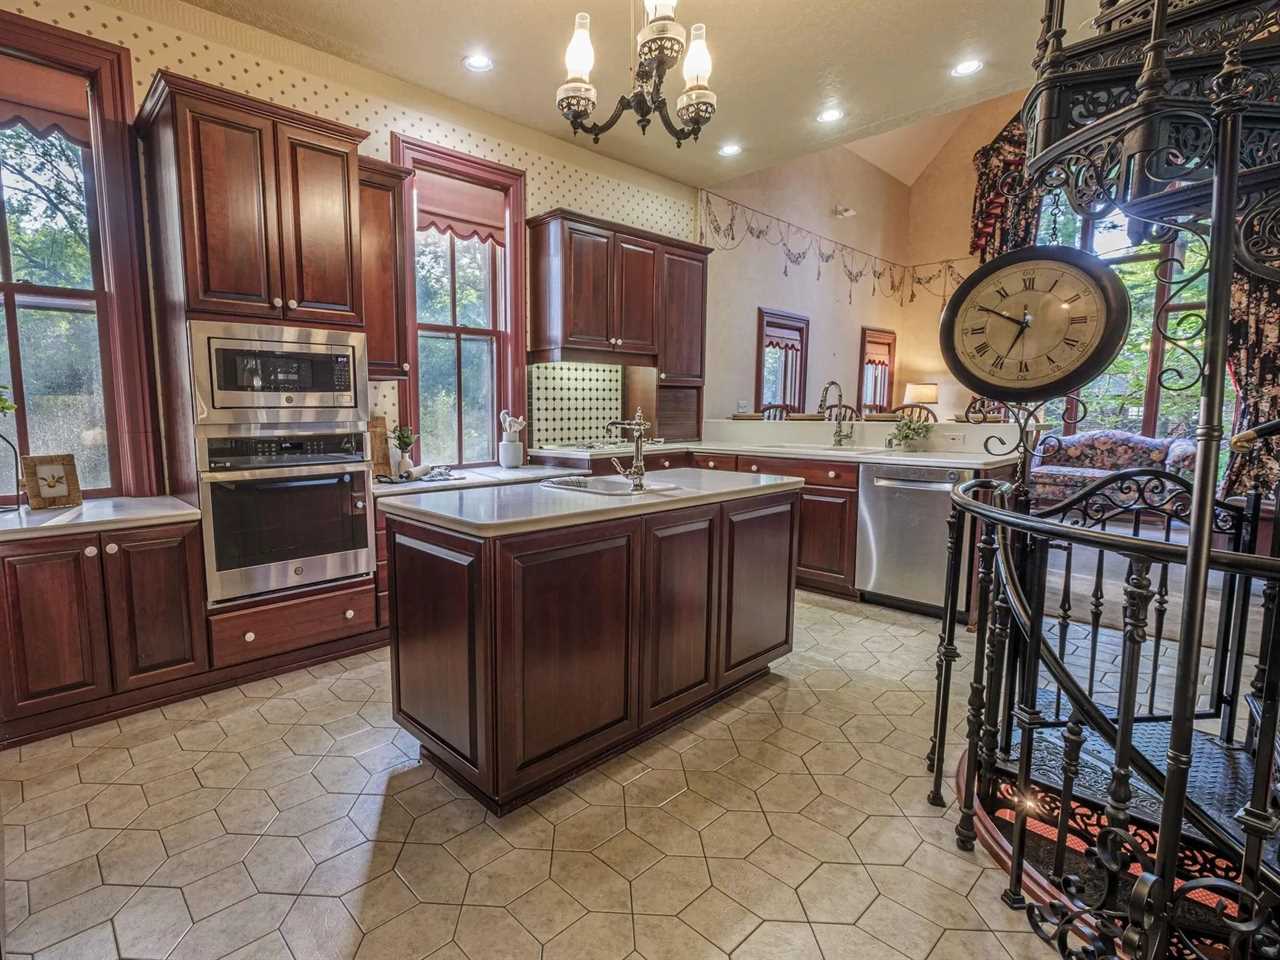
(921, 393)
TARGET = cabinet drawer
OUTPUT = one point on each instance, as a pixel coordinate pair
(715, 461)
(666, 461)
(826, 473)
(291, 625)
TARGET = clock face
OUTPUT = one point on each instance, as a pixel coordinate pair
(1035, 324)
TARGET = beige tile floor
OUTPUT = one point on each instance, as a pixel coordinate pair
(290, 819)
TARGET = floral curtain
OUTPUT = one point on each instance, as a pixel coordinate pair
(1002, 222)
(1253, 355)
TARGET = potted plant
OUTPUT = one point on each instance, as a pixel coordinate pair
(7, 406)
(911, 434)
(404, 439)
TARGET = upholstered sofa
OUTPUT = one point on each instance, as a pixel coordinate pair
(1063, 465)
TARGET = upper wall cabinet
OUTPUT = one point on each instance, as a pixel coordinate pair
(384, 252)
(255, 208)
(606, 293)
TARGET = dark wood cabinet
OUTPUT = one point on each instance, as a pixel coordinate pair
(681, 360)
(600, 294)
(828, 528)
(758, 582)
(679, 638)
(226, 173)
(154, 581)
(55, 624)
(385, 245)
(264, 222)
(566, 672)
(262, 631)
(715, 461)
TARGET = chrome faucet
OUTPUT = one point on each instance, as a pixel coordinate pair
(637, 426)
(840, 435)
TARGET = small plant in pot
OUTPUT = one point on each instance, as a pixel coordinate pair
(404, 439)
(911, 434)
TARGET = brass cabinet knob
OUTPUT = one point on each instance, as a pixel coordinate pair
(359, 504)
(293, 304)
(666, 463)
(662, 376)
(113, 548)
(249, 637)
(711, 464)
(277, 302)
(755, 468)
(404, 367)
(350, 614)
(831, 474)
(90, 551)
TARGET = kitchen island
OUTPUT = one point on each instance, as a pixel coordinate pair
(535, 631)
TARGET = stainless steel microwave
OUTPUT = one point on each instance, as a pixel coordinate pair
(255, 373)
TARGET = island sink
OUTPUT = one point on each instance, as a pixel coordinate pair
(607, 486)
(535, 633)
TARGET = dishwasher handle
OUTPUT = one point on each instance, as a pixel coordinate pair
(941, 486)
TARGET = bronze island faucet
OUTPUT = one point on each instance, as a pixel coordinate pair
(637, 426)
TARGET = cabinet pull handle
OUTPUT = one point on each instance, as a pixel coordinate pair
(349, 615)
(404, 367)
(293, 304)
(831, 474)
(249, 637)
(755, 468)
(277, 302)
(113, 548)
(90, 551)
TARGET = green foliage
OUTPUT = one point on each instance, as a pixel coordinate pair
(403, 438)
(7, 406)
(908, 432)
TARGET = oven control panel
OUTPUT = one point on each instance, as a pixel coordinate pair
(247, 453)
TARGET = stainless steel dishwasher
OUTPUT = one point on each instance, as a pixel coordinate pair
(902, 534)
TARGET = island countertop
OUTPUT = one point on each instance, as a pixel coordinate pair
(503, 510)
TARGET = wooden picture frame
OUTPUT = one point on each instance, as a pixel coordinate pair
(36, 481)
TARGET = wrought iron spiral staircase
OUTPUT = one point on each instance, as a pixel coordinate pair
(1126, 771)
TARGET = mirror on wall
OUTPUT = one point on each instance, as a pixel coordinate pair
(876, 358)
(782, 361)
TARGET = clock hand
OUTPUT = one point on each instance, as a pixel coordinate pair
(999, 314)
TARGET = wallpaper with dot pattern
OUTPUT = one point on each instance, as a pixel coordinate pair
(571, 402)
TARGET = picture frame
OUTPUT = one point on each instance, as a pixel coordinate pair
(50, 480)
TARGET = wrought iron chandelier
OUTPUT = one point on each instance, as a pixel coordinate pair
(659, 46)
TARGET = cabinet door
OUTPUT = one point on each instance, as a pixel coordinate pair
(684, 318)
(567, 671)
(382, 291)
(55, 625)
(635, 277)
(757, 584)
(828, 528)
(588, 287)
(715, 461)
(319, 226)
(681, 571)
(230, 216)
(155, 602)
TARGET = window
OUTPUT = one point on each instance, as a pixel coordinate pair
(1131, 394)
(469, 288)
(51, 357)
(782, 360)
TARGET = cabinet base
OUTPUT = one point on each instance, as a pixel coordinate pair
(502, 807)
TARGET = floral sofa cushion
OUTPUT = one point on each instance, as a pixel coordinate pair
(1063, 465)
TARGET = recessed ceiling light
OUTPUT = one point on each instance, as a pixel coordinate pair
(966, 68)
(730, 150)
(831, 115)
(478, 63)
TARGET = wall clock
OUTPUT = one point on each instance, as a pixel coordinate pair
(1035, 324)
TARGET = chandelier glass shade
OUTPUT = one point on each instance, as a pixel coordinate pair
(659, 46)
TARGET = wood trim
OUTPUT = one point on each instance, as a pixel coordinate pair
(888, 338)
(613, 227)
(794, 321)
(420, 155)
(128, 379)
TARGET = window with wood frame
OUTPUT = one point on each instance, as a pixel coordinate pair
(71, 351)
(782, 359)
(470, 351)
(876, 362)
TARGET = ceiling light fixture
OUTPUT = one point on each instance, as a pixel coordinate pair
(659, 46)
(831, 115)
(730, 150)
(967, 68)
(478, 62)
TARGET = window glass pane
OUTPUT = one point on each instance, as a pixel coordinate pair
(1054, 210)
(44, 202)
(431, 272)
(1114, 400)
(475, 282)
(62, 388)
(771, 389)
(438, 397)
(478, 413)
(1192, 260)
(1111, 238)
(8, 424)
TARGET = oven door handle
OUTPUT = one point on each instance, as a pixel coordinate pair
(275, 473)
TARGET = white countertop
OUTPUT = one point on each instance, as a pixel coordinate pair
(478, 477)
(100, 513)
(924, 458)
(501, 510)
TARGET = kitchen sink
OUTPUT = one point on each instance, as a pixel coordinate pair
(606, 486)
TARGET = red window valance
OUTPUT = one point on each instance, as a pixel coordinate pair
(456, 206)
(42, 98)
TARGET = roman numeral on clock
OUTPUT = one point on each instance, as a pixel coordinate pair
(998, 362)
(982, 349)
(1028, 283)
(977, 331)
(1076, 321)
(1071, 342)
(1002, 293)
(1024, 367)
(1073, 298)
